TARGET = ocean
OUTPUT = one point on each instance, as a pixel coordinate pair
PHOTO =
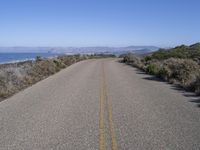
(17, 57)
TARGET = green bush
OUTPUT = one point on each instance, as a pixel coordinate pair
(152, 69)
(164, 73)
(186, 71)
(147, 58)
(179, 65)
(184, 52)
(59, 64)
(133, 60)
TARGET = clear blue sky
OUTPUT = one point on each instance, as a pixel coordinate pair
(99, 22)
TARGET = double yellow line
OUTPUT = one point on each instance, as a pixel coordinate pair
(104, 90)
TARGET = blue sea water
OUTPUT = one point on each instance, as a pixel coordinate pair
(17, 57)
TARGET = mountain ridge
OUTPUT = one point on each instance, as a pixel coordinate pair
(95, 49)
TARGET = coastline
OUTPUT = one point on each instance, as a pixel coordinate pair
(9, 57)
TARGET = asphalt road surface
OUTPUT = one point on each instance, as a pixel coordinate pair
(100, 104)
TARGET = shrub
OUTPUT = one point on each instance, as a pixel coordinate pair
(59, 63)
(133, 60)
(186, 71)
(179, 65)
(38, 58)
(17, 76)
(152, 69)
(164, 73)
(147, 58)
(184, 52)
(68, 60)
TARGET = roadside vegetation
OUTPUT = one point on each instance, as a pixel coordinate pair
(17, 76)
(179, 65)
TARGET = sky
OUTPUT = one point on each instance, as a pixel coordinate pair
(65, 23)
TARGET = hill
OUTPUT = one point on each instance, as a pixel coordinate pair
(80, 50)
(179, 65)
(183, 51)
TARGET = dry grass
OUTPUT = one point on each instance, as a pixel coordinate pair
(17, 76)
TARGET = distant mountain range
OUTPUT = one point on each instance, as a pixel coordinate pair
(81, 50)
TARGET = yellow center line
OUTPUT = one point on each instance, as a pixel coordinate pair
(109, 109)
(104, 83)
(101, 120)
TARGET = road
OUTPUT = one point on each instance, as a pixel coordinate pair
(100, 104)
